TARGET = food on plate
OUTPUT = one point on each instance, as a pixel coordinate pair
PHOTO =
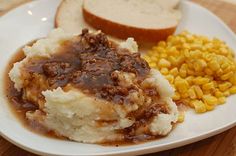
(202, 70)
(145, 21)
(89, 89)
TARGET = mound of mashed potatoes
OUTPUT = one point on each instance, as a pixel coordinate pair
(92, 90)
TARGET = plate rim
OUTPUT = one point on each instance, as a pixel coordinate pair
(142, 150)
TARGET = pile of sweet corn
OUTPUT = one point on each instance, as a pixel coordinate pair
(202, 70)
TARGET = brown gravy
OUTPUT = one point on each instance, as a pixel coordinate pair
(89, 63)
(18, 107)
(59, 73)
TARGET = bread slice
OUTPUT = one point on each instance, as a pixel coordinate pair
(69, 16)
(145, 20)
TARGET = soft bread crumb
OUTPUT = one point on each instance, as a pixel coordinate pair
(159, 15)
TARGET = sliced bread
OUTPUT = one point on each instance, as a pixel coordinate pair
(145, 20)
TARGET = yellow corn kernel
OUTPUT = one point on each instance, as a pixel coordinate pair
(199, 65)
(190, 64)
(232, 90)
(199, 106)
(224, 86)
(216, 84)
(173, 51)
(221, 100)
(170, 78)
(174, 72)
(223, 51)
(192, 93)
(226, 93)
(198, 91)
(164, 71)
(164, 63)
(183, 72)
(197, 68)
(207, 57)
(181, 117)
(210, 100)
(202, 63)
(208, 71)
(194, 53)
(208, 86)
(190, 72)
(177, 78)
(181, 85)
(161, 50)
(219, 72)
(170, 38)
(152, 64)
(184, 66)
(189, 79)
(209, 107)
(173, 60)
(219, 94)
(214, 65)
(233, 80)
(201, 73)
(224, 65)
(162, 44)
(163, 55)
(180, 59)
(209, 77)
(184, 95)
(154, 59)
(176, 96)
(227, 70)
(200, 80)
(227, 75)
(206, 92)
(186, 52)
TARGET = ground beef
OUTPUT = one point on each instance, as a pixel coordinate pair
(88, 62)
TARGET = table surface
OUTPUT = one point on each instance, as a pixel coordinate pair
(223, 144)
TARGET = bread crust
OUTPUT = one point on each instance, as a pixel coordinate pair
(56, 19)
(125, 31)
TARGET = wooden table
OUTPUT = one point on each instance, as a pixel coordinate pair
(223, 144)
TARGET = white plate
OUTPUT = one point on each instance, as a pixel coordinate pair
(35, 20)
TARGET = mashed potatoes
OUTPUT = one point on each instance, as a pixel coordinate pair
(131, 101)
